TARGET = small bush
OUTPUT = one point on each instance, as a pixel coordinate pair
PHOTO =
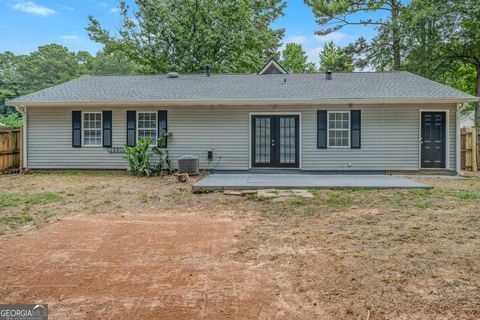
(139, 158)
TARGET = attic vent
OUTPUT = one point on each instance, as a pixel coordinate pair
(172, 75)
(328, 75)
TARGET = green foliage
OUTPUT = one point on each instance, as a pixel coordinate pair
(442, 42)
(333, 58)
(15, 199)
(161, 36)
(139, 158)
(115, 62)
(332, 15)
(294, 59)
(49, 65)
(164, 161)
(15, 221)
(13, 120)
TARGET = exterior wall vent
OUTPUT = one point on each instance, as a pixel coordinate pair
(188, 164)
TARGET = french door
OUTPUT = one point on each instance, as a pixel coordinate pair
(275, 141)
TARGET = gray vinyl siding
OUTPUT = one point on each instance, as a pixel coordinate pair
(390, 137)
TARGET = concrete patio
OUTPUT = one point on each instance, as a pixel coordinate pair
(255, 181)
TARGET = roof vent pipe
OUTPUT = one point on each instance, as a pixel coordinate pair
(207, 69)
(328, 75)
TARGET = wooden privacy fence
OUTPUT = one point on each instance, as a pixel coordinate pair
(470, 139)
(10, 149)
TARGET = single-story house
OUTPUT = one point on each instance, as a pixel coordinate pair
(273, 119)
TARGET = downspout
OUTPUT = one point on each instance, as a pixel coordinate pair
(458, 157)
(23, 111)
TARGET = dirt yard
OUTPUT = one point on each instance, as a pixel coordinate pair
(107, 245)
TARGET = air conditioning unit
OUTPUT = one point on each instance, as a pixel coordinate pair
(188, 164)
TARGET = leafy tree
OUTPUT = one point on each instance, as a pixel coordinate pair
(12, 120)
(115, 62)
(230, 35)
(356, 52)
(333, 58)
(85, 62)
(332, 15)
(48, 66)
(9, 79)
(443, 42)
(295, 59)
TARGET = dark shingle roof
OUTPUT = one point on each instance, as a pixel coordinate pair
(237, 87)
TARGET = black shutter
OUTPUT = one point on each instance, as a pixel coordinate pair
(131, 128)
(76, 129)
(107, 128)
(321, 129)
(355, 125)
(162, 126)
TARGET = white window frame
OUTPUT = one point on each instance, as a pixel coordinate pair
(154, 142)
(83, 129)
(349, 130)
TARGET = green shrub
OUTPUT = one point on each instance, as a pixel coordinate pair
(139, 158)
(12, 120)
(164, 162)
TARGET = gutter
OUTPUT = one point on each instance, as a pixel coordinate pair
(242, 102)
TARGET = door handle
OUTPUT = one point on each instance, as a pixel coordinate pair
(273, 143)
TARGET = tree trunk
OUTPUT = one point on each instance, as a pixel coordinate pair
(477, 109)
(396, 37)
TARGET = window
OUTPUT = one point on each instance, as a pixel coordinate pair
(147, 125)
(339, 129)
(92, 129)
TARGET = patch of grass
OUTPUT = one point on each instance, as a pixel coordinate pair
(15, 199)
(255, 197)
(83, 173)
(466, 195)
(47, 215)
(421, 192)
(298, 201)
(314, 192)
(15, 221)
(340, 198)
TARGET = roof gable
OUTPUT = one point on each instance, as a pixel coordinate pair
(273, 67)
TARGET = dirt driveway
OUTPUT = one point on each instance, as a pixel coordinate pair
(165, 266)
